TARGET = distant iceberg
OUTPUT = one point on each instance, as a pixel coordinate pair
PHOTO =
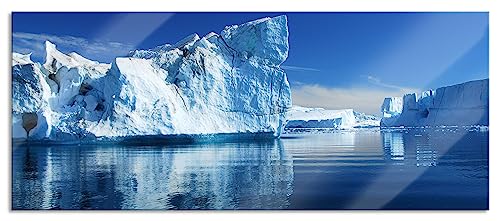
(465, 104)
(304, 117)
(227, 83)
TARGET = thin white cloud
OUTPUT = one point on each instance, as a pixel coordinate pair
(92, 49)
(297, 68)
(367, 100)
(377, 82)
(99, 49)
(297, 83)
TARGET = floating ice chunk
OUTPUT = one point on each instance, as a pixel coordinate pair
(219, 84)
(303, 117)
(463, 104)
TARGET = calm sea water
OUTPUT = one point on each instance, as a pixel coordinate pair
(364, 169)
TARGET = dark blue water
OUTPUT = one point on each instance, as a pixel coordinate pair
(365, 169)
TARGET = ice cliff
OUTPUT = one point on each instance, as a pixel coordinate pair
(304, 117)
(220, 83)
(463, 104)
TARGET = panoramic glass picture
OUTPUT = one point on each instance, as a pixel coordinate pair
(250, 111)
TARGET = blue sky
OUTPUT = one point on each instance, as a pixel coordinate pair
(336, 60)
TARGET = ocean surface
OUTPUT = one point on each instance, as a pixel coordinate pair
(361, 169)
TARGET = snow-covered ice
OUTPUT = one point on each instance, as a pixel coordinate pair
(463, 104)
(217, 84)
(304, 117)
(365, 120)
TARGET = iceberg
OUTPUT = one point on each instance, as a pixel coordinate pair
(463, 104)
(366, 120)
(304, 117)
(227, 83)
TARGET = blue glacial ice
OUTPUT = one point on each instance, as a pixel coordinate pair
(227, 83)
(465, 104)
(304, 117)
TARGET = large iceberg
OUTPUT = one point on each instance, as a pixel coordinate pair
(227, 83)
(463, 104)
(304, 117)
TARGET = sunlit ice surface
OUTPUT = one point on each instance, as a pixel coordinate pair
(438, 168)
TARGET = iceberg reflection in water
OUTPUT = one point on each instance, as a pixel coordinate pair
(209, 176)
(444, 168)
(394, 142)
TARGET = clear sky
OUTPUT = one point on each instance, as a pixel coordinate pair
(336, 60)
